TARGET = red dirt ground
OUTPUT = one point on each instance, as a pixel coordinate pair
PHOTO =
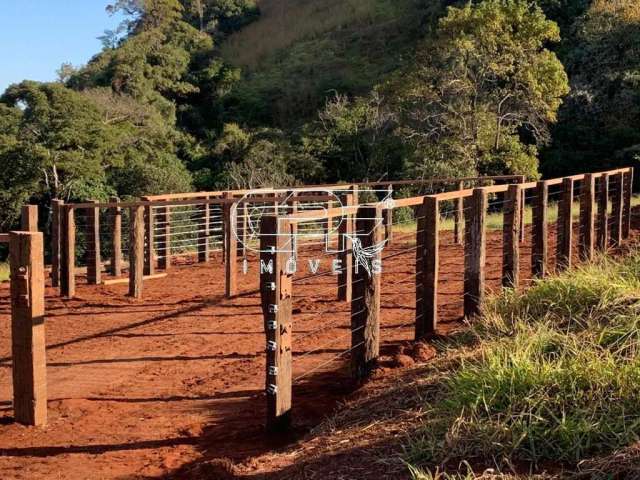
(138, 389)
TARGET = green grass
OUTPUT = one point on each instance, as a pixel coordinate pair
(554, 377)
(4, 272)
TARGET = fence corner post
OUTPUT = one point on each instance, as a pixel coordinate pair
(26, 252)
(116, 238)
(617, 210)
(345, 249)
(365, 305)
(56, 238)
(628, 193)
(603, 213)
(231, 248)
(475, 252)
(94, 265)
(68, 253)
(276, 295)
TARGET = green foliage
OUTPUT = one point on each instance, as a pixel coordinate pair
(554, 378)
(481, 79)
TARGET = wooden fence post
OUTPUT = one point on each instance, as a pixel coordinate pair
(345, 252)
(587, 217)
(116, 238)
(565, 226)
(603, 217)
(94, 265)
(26, 252)
(427, 318)
(136, 251)
(149, 239)
(458, 216)
(475, 251)
(276, 291)
(203, 227)
(231, 249)
(56, 236)
(164, 241)
(626, 211)
(540, 234)
(388, 216)
(29, 218)
(617, 200)
(68, 253)
(523, 197)
(365, 305)
(511, 237)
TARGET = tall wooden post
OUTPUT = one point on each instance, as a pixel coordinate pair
(26, 252)
(587, 217)
(626, 209)
(94, 265)
(565, 226)
(29, 218)
(365, 305)
(523, 205)
(475, 251)
(276, 291)
(116, 236)
(458, 216)
(231, 248)
(427, 318)
(617, 200)
(136, 251)
(56, 236)
(603, 217)
(511, 237)
(345, 252)
(163, 215)
(149, 239)
(68, 253)
(203, 222)
(388, 216)
(540, 237)
(244, 222)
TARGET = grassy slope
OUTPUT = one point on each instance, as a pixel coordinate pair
(301, 51)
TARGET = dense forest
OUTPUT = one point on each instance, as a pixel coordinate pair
(198, 94)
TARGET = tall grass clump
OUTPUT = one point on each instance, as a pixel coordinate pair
(555, 378)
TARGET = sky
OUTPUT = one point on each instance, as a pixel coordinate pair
(37, 36)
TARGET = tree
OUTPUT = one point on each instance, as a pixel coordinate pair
(485, 81)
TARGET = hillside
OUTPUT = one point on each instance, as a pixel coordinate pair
(300, 52)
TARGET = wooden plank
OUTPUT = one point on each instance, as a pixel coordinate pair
(523, 226)
(136, 251)
(458, 217)
(565, 226)
(68, 253)
(388, 217)
(511, 237)
(94, 265)
(27, 328)
(427, 321)
(475, 251)
(231, 250)
(365, 305)
(587, 217)
(602, 241)
(116, 239)
(276, 290)
(121, 281)
(345, 255)
(56, 236)
(4, 238)
(626, 210)
(540, 234)
(617, 201)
